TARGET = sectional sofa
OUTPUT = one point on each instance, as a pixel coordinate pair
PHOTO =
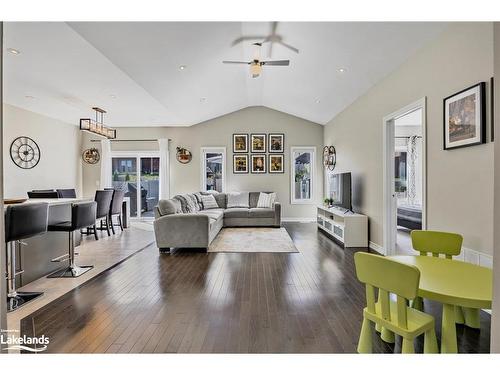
(184, 222)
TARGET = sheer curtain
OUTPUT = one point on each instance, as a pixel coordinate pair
(164, 169)
(106, 172)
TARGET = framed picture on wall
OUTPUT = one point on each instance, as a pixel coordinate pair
(276, 163)
(240, 164)
(258, 163)
(276, 143)
(240, 143)
(465, 118)
(258, 142)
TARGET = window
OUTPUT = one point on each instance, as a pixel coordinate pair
(302, 174)
(213, 168)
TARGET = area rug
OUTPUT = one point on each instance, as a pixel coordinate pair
(253, 240)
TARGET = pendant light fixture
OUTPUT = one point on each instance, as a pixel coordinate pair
(97, 126)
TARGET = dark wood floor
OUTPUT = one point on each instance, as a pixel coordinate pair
(307, 302)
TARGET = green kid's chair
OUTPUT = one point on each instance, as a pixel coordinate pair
(390, 276)
(449, 245)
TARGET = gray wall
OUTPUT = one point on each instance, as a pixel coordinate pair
(60, 161)
(218, 132)
(495, 319)
(459, 182)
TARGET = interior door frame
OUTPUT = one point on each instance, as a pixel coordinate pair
(390, 205)
(137, 155)
(213, 149)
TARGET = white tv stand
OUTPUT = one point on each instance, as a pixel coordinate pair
(348, 228)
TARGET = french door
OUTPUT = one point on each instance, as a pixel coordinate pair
(138, 175)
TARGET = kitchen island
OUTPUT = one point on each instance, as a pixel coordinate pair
(37, 253)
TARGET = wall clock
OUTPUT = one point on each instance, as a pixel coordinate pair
(91, 156)
(329, 157)
(24, 152)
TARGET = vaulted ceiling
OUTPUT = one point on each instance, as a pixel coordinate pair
(133, 69)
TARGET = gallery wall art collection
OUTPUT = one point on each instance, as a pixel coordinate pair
(266, 153)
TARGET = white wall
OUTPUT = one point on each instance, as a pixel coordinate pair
(460, 181)
(218, 132)
(59, 142)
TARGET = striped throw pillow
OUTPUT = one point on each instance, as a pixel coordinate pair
(209, 202)
(266, 200)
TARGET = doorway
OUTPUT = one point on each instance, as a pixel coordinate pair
(404, 176)
(138, 175)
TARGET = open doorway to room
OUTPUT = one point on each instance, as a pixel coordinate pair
(404, 192)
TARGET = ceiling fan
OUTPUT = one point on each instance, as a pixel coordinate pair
(256, 64)
(272, 38)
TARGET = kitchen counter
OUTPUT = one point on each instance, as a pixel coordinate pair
(36, 254)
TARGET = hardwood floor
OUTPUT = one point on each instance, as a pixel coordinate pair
(307, 302)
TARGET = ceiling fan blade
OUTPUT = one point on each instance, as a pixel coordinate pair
(276, 62)
(288, 46)
(236, 62)
(245, 38)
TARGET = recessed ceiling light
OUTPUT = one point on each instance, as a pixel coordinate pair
(13, 51)
(182, 67)
(29, 97)
(341, 70)
(203, 99)
(318, 101)
(112, 96)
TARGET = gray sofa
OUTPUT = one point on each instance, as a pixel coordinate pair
(183, 222)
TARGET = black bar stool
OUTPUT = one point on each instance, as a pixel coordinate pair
(103, 199)
(43, 194)
(116, 209)
(83, 215)
(21, 222)
(66, 193)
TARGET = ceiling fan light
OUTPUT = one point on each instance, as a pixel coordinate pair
(255, 69)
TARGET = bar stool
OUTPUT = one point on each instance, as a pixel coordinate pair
(42, 194)
(116, 209)
(66, 193)
(21, 222)
(83, 215)
(103, 199)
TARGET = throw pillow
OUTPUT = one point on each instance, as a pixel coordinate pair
(238, 200)
(266, 200)
(199, 200)
(209, 202)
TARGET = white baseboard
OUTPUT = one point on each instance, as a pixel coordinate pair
(298, 219)
(379, 249)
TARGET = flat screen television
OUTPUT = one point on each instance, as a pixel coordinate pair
(339, 185)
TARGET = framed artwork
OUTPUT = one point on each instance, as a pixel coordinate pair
(258, 142)
(465, 118)
(258, 163)
(276, 143)
(240, 143)
(276, 163)
(240, 163)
